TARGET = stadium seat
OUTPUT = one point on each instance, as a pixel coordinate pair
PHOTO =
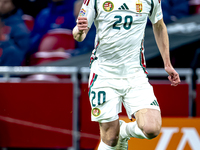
(55, 45)
(194, 6)
(29, 21)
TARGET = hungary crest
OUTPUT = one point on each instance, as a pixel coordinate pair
(139, 6)
(108, 6)
(96, 112)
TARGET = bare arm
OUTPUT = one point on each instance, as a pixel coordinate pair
(81, 29)
(162, 40)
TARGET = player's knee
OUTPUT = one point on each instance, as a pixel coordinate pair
(112, 140)
(152, 130)
(150, 126)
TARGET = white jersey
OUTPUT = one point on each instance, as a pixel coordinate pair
(119, 38)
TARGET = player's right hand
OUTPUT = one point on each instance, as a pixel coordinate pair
(173, 76)
(82, 24)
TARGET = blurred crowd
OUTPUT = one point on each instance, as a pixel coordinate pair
(34, 32)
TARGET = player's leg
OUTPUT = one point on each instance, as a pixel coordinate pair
(147, 125)
(109, 132)
(149, 121)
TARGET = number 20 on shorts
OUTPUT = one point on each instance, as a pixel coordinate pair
(101, 98)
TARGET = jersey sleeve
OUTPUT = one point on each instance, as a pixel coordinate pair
(88, 10)
(156, 12)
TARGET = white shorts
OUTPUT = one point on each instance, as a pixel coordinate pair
(107, 95)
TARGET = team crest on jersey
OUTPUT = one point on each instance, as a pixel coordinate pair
(108, 6)
(139, 6)
(82, 12)
(96, 112)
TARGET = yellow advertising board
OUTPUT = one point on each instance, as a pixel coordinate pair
(176, 134)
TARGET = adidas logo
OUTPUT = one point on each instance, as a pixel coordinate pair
(124, 7)
(154, 103)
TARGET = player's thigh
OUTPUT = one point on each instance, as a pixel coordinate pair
(149, 119)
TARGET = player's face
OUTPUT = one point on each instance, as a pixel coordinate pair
(6, 6)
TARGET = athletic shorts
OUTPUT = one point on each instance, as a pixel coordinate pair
(107, 95)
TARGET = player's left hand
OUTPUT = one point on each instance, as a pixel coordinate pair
(173, 76)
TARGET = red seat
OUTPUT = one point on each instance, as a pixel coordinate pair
(55, 45)
(194, 6)
(29, 21)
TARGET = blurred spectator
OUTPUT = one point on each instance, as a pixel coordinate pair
(33, 7)
(174, 9)
(14, 35)
(59, 14)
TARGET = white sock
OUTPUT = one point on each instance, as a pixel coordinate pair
(131, 129)
(103, 146)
